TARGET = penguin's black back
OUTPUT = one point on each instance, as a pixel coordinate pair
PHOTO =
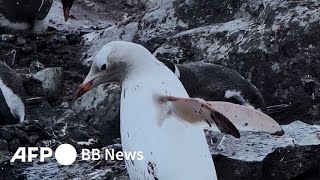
(210, 82)
(25, 10)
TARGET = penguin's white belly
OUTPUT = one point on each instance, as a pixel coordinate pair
(171, 151)
(4, 22)
(14, 102)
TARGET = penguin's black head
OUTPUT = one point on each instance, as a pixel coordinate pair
(66, 4)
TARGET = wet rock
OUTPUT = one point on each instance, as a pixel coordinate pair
(47, 82)
(10, 58)
(21, 41)
(4, 158)
(37, 66)
(24, 134)
(123, 31)
(135, 2)
(217, 83)
(6, 134)
(7, 37)
(33, 139)
(39, 109)
(199, 42)
(256, 40)
(80, 134)
(14, 145)
(3, 145)
(97, 169)
(158, 23)
(97, 109)
(262, 156)
(253, 156)
(21, 135)
(198, 13)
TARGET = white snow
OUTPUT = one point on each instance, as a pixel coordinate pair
(256, 146)
(89, 142)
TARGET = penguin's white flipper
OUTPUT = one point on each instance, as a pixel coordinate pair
(196, 111)
(247, 119)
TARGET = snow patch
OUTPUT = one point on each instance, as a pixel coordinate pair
(256, 146)
(87, 143)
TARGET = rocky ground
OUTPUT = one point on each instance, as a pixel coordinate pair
(275, 44)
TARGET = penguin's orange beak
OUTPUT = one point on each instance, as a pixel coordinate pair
(82, 89)
(94, 79)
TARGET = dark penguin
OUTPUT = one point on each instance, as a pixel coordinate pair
(66, 4)
(12, 108)
(216, 83)
(24, 15)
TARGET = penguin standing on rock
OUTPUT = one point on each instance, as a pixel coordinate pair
(12, 108)
(24, 15)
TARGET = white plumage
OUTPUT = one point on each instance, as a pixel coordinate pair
(13, 101)
(172, 150)
(175, 149)
(158, 118)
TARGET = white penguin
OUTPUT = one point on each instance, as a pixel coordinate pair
(158, 118)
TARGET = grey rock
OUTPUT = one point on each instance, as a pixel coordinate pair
(253, 156)
(7, 37)
(99, 110)
(4, 158)
(10, 58)
(124, 31)
(21, 41)
(269, 49)
(14, 145)
(33, 139)
(39, 109)
(99, 169)
(198, 13)
(47, 82)
(6, 134)
(36, 65)
(3, 145)
(158, 23)
(135, 2)
(262, 156)
(21, 135)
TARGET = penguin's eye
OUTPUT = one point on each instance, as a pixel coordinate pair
(103, 67)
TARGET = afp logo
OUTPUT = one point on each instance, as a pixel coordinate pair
(65, 154)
